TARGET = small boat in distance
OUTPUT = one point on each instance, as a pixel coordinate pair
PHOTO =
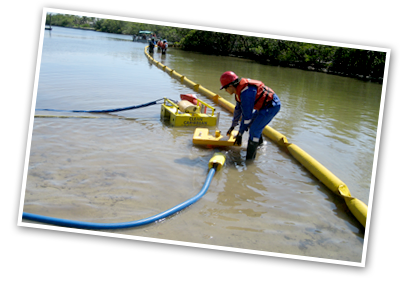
(143, 36)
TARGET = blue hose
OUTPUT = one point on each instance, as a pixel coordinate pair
(106, 110)
(91, 225)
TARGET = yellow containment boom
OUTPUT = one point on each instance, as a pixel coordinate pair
(357, 207)
(202, 136)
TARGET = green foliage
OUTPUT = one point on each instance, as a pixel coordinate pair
(355, 62)
(110, 26)
(365, 64)
(209, 42)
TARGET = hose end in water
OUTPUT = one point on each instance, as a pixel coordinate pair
(217, 161)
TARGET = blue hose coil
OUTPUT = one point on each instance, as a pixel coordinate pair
(91, 225)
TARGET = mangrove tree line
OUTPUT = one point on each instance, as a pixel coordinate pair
(358, 63)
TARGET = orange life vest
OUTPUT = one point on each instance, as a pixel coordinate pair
(263, 96)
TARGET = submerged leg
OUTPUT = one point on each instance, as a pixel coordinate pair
(251, 150)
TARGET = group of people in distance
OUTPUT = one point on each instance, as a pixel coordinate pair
(161, 44)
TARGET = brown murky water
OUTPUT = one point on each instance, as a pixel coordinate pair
(131, 165)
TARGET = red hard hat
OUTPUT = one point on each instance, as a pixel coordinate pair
(227, 78)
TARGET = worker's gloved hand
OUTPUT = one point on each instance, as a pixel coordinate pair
(230, 131)
(238, 139)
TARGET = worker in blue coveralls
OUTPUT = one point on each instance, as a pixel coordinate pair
(152, 43)
(256, 106)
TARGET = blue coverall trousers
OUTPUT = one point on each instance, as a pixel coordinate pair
(262, 118)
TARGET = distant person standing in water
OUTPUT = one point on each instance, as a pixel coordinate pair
(164, 47)
(256, 106)
(151, 45)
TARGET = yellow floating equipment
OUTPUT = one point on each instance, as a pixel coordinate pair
(187, 114)
(202, 136)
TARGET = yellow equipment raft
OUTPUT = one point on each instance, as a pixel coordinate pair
(358, 208)
(187, 114)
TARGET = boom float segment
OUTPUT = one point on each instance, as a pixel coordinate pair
(357, 207)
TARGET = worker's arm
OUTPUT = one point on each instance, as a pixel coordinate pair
(237, 113)
(247, 97)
